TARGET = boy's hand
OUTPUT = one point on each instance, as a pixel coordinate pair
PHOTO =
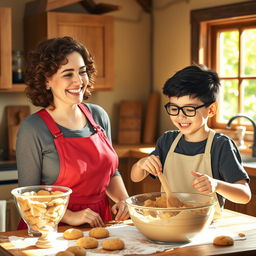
(203, 183)
(151, 164)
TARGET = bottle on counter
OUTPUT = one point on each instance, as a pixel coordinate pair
(17, 67)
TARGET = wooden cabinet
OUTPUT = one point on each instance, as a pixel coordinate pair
(5, 49)
(94, 31)
(11, 215)
(6, 84)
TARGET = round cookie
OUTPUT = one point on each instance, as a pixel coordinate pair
(77, 250)
(87, 242)
(72, 233)
(99, 232)
(223, 240)
(112, 244)
(64, 253)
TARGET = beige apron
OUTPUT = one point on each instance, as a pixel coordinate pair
(178, 168)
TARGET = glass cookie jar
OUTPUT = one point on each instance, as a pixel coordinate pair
(17, 67)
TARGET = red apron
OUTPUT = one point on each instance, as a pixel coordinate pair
(86, 166)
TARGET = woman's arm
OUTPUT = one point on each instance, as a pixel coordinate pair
(81, 217)
(117, 192)
(28, 154)
(116, 189)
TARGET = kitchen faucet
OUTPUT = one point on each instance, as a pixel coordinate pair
(254, 130)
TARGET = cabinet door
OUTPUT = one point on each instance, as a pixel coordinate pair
(95, 32)
(5, 49)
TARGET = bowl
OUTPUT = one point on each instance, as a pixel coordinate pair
(167, 225)
(41, 207)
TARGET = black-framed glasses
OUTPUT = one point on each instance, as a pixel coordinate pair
(189, 111)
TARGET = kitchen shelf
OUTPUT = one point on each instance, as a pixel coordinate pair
(15, 88)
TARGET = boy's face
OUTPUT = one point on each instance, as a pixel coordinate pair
(190, 121)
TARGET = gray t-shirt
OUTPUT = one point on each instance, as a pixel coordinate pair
(37, 158)
(225, 157)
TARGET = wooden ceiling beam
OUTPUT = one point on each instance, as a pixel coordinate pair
(99, 8)
(146, 5)
(40, 6)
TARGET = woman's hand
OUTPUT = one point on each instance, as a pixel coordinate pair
(151, 164)
(120, 210)
(204, 183)
(81, 217)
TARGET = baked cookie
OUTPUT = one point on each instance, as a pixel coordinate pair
(76, 250)
(87, 242)
(64, 253)
(112, 244)
(223, 240)
(99, 232)
(72, 233)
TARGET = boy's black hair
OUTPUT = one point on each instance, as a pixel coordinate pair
(196, 81)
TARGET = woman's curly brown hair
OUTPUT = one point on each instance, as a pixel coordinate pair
(45, 60)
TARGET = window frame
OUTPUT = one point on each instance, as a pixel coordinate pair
(204, 21)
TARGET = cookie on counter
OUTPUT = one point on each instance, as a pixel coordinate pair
(64, 253)
(77, 250)
(223, 240)
(99, 232)
(87, 242)
(72, 233)
(112, 244)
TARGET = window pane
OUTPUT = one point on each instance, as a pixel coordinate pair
(229, 53)
(228, 100)
(249, 52)
(250, 99)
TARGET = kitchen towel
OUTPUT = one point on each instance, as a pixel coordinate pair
(2, 215)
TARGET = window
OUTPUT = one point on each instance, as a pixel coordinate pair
(224, 39)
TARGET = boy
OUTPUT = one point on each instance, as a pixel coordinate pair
(195, 158)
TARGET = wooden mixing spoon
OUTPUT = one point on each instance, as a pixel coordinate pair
(172, 200)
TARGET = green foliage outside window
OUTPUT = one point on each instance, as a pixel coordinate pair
(228, 100)
(237, 66)
(229, 53)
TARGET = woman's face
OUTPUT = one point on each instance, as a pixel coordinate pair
(69, 83)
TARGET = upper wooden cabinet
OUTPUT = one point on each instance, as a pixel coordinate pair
(94, 31)
(5, 48)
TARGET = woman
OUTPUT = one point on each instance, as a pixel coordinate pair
(67, 143)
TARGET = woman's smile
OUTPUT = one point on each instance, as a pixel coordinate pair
(76, 92)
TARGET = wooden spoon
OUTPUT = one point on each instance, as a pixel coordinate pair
(172, 200)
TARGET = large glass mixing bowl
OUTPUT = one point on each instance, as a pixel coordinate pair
(167, 225)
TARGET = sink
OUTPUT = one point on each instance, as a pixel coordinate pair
(248, 161)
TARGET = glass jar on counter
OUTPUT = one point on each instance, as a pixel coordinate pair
(17, 67)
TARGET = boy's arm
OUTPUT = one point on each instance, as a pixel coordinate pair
(137, 173)
(141, 169)
(230, 180)
(237, 192)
